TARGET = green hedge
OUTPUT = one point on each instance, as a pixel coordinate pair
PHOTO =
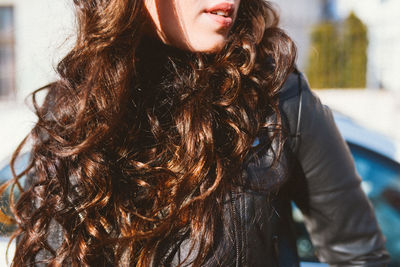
(338, 55)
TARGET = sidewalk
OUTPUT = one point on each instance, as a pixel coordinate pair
(378, 110)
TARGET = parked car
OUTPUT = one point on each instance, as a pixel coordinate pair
(374, 156)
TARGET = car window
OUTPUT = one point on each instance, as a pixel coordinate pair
(381, 182)
(5, 175)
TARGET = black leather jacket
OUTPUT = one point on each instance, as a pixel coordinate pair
(316, 170)
(326, 186)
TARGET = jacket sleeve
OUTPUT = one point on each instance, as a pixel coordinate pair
(338, 215)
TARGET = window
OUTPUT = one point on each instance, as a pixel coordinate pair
(6, 52)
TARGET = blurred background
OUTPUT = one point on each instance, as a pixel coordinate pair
(351, 49)
(350, 52)
(348, 49)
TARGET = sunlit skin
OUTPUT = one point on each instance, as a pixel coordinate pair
(194, 25)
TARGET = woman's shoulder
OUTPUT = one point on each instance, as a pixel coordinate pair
(290, 95)
(297, 100)
(299, 105)
(293, 85)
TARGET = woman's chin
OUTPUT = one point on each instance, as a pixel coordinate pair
(207, 46)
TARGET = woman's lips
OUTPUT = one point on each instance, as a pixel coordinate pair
(221, 13)
(221, 20)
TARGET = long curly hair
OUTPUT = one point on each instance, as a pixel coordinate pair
(128, 153)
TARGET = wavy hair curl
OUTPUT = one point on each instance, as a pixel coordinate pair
(121, 161)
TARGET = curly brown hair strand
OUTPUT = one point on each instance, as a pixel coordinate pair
(124, 164)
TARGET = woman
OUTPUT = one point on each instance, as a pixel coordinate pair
(170, 140)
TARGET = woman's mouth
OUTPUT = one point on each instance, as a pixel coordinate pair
(222, 14)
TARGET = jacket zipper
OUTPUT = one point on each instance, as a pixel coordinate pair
(236, 226)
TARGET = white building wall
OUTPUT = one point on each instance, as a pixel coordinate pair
(41, 28)
(382, 19)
